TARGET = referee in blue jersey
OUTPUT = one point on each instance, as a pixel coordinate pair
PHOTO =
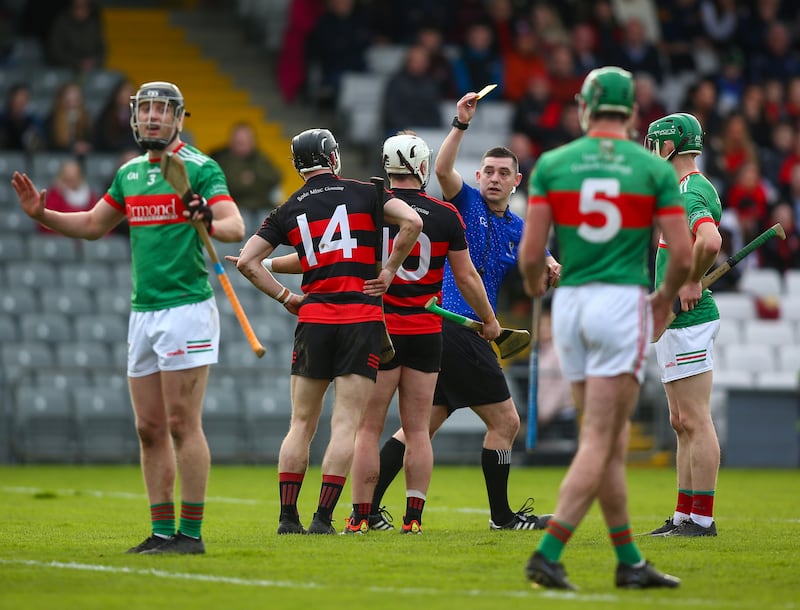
(471, 375)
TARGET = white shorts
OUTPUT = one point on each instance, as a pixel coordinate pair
(173, 339)
(683, 352)
(601, 330)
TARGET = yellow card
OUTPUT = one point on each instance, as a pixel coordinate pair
(486, 90)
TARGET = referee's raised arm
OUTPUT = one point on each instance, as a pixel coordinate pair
(449, 179)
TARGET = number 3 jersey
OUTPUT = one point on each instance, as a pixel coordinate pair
(420, 276)
(330, 223)
(604, 193)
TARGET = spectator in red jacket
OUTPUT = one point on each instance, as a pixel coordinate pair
(69, 192)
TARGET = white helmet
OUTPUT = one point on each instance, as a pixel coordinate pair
(407, 154)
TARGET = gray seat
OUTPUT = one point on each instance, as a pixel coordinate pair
(19, 300)
(49, 327)
(45, 165)
(267, 411)
(72, 300)
(12, 247)
(113, 300)
(44, 425)
(86, 274)
(9, 330)
(100, 169)
(13, 219)
(55, 248)
(11, 160)
(112, 248)
(22, 356)
(30, 274)
(91, 354)
(106, 422)
(224, 424)
(102, 327)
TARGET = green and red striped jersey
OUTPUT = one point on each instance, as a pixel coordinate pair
(168, 268)
(604, 192)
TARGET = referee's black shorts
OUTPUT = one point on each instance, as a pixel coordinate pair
(471, 375)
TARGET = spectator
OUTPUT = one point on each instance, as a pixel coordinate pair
(291, 68)
(253, 180)
(791, 161)
(583, 41)
(681, 33)
(69, 126)
(112, 129)
(754, 21)
(650, 108)
(750, 197)
(522, 62)
(753, 112)
(636, 54)
(522, 146)
(772, 156)
(69, 192)
(607, 30)
(736, 146)
(336, 45)
(76, 39)
(401, 26)
(701, 101)
(793, 190)
(440, 68)
(792, 106)
(775, 95)
(411, 98)
(569, 126)
(501, 18)
(548, 26)
(537, 114)
(720, 20)
(565, 82)
(478, 65)
(782, 254)
(728, 282)
(777, 58)
(462, 16)
(731, 81)
(20, 129)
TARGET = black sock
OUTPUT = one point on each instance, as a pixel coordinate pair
(496, 466)
(392, 454)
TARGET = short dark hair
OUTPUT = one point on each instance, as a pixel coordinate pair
(501, 152)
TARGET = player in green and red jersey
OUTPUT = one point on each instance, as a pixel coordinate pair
(602, 193)
(685, 351)
(173, 333)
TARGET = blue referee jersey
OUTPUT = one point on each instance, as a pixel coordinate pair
(493, 247)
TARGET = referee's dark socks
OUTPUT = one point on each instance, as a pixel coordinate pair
(496, 465)
(329, 495)
(289, 484)
(392, 454)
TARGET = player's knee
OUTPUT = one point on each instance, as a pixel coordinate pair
(150, 432)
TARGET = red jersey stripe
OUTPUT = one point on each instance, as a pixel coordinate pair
(636, 210)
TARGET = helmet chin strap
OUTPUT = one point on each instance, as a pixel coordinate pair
(678, 148)
(408, 165)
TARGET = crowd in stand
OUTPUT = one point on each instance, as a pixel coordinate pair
(735, 65)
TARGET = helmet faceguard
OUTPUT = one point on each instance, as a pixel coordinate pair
(150, 111)
(315, 149)
(608, 89)
(680, 128)
(407, 154)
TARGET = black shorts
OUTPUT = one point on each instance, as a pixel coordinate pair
(326, 351)
(470, 375)
(418, 352)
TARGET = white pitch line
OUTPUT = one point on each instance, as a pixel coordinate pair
(592, 598)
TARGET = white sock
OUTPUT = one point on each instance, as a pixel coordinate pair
(678, 518)
(702, 520)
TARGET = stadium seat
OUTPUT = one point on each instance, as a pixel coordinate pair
(777, 380)
(113, 300)
(13, 219)
(100, 170)
(790, 307)
(24, 357)
(750, 358)
(47, 327)
(55, 248)
(385, 59)
(72, 301)
(45, 164)
(102, 327)
(44, 426)
(106, 423)
(267, 412)
(9, 331)
(760, 281)
(12, 247)
(791, 282)
(730, 332)
(18, 301)
(224, 424)
(459, 439)
(30, 274)
(11, 160)
(112, 248)
(789, 358)
(86, 274)
(81, 353)
(735, 306)
(725, 379)
(768, 332)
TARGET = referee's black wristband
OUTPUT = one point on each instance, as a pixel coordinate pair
(458, 124)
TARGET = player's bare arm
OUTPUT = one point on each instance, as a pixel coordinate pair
(449, 179)
(705, 250)
(471, 286)
(398, 212)
(677, 235)
(532, 257)
(91, 224)
(249, 265)
(227, 221)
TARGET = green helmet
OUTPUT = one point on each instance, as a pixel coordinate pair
(607, 89)
(680, 128)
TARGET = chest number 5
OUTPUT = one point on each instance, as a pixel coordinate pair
(593, 201)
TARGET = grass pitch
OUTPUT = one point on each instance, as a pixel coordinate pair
(64, 530)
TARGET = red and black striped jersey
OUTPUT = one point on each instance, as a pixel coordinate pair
(420, 276)
(330, 223)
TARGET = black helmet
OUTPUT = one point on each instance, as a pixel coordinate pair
(158, 91)
(315, 149)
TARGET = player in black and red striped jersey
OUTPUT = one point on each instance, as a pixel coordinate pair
(329, 222)
(416, 333)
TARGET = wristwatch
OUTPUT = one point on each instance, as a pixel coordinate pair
(458, 124)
